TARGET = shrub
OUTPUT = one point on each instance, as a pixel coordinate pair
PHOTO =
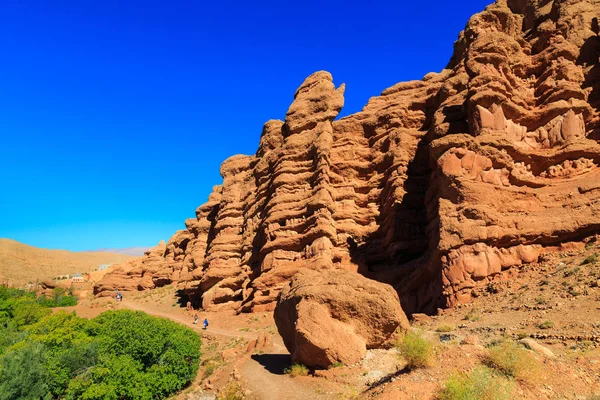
(590, 259)
(416, 350)
(481, 384)
(60, 298)
(118, 355)
(546, 325)
(233, 391)
(26, 311)
(540, 300)
(297, 370)
(165, 346)
(211, 365)
(513, 361)
(471, 316)
(444, 329)
(22, 374)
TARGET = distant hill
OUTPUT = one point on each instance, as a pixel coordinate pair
(21, 263)
(129, 251)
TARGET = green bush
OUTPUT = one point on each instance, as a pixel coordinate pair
(22, 374)
(23, 308)
(117, 355)
(27, 311)
(481, 384)
(60, 298)
(416, 350)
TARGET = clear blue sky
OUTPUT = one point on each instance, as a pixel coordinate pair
(115, 115)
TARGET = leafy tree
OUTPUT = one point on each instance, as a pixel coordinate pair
(118, 355)
(60, 298)
(9, 334)
(116, 377)
(26, 311)
(163, 347)
(22, 374)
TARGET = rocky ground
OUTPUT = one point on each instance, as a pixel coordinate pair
(556, 303)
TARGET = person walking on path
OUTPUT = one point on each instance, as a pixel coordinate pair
(189, 306)
(205, 323)
(196, 319)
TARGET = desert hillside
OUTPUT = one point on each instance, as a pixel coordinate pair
(20, 263)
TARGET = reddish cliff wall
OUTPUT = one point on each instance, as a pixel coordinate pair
(435, 187)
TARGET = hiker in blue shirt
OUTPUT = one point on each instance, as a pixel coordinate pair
(205, 323)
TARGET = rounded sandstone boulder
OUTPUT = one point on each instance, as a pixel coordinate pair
(333, 316)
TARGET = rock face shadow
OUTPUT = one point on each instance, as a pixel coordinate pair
(589, 56)
(274, 363)
(193, 296)
(182, 298)
(389, 378)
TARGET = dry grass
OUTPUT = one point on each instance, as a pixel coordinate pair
(444, 329)
(211, 365)
(233, 391)
(480, 384)
(514, 361)
(297, 370)
(546, 325)
(415, 350)
(592, 259)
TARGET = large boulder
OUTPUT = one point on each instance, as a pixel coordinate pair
(332, 316)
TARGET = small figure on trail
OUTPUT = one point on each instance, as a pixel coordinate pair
(195, 319)
(205, 323)
(119, 296)
(189, 306)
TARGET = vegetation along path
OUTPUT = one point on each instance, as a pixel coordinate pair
(263, 374)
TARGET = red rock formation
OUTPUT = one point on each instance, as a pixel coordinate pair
(434, 187)
(333, 316)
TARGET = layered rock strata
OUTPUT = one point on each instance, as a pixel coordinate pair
(435, 187)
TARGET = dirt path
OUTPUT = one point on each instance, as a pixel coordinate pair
(265, 378)
(263, 374)
(186, 321)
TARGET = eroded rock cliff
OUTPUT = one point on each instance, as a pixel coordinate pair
(435, 187)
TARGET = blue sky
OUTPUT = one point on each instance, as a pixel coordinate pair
(115, 115)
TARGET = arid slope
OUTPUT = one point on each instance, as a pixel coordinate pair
(20, 263)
